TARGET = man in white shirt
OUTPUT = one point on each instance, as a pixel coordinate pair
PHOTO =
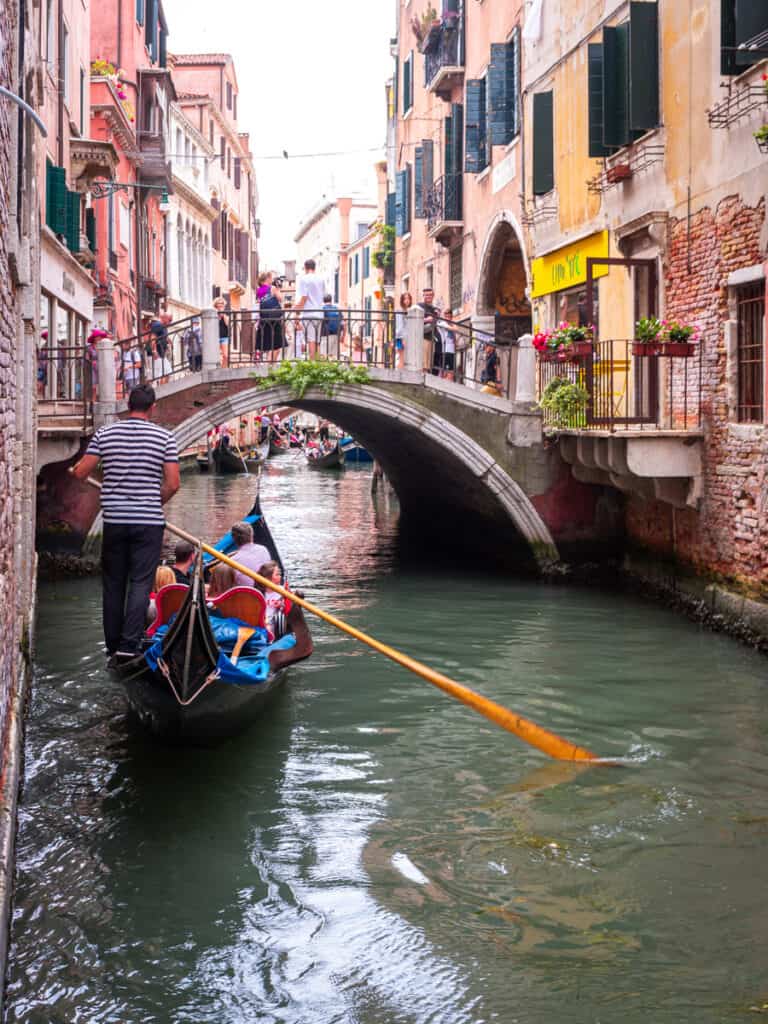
(310, 292)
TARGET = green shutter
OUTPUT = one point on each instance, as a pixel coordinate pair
(543, 143)
(502, 91)
(615, 85)
(56, 199)
(391, 209)
(448, 146)
(595, 100)
(73, 221)
(643, 66)
(475, 146)
(400, 228)
(90, 228)
(454, 188)
(407, 212)
(418, 184)
(428, 148)
(407, 76)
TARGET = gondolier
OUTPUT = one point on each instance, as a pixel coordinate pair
(141, 472)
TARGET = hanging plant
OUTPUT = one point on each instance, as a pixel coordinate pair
(566, 403)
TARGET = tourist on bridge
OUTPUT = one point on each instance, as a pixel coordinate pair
(310, 291)
(129, 370)
(332, 330)
(220, 305)
(433, 347)
(270, 339)
(449, 346)
(158, 348)
(401, 323)
(193, 342)
(141, 472)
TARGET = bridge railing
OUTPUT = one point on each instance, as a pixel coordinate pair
(152, 358)
(628, 386)
(67, 383)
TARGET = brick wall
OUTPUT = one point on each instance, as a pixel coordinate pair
(9, 321)
(727, 536)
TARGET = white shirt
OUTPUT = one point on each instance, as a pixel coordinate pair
(314, 289)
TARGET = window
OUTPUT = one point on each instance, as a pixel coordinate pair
(74, 207)
(403, 201)
(623, 81)
(229, 95)
(224, 234)
(238, 172)
(125, 230)
(429, 280)
(750, 301)
(234, 106)
(503, 91)
(223, 152)
(367, 261)
(357, 268)
(150, 29)
(361, 230)
(216, 227)
(82, 101)
(350, 265)
(743, 23)
(423, 171)
(368, 304)
(229, 162)
(454, 165)
(50, 35)
(65, 62)
(456, 285)
(210, 132)
(408, 83)
(543, 144)
(476, 145)
(140, 11)
(90, 228)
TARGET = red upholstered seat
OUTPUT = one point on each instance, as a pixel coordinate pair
(244, 603)
(168, 600)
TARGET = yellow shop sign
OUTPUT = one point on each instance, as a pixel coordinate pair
(567, 267)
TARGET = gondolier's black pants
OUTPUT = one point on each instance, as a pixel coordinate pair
(130, 554)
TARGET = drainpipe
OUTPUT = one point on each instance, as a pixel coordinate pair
(60, 86)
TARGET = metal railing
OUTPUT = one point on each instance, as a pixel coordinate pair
(443, 200)
(156, 358)
(445, 54)
(67, 382)
(628, 388)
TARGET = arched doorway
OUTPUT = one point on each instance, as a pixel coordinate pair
(503, 280)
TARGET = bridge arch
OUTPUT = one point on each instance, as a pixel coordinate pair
(416, 448)
(504, 279)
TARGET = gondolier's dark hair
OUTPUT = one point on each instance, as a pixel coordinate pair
(141, 398)
(242, 533)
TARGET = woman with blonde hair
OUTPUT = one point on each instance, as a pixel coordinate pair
(163, 577)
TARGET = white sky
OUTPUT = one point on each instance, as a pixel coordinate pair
(311, 75)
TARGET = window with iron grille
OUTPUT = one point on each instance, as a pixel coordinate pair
(750, 301)
(456, 285)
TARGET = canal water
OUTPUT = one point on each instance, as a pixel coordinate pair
(374, 853)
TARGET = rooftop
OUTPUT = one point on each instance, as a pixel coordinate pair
(200, 58)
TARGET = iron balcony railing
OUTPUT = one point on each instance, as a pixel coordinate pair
(445, 53)
(444, 201)
(628, 387)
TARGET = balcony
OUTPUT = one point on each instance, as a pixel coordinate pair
(444, 62)
(155, 169)
(640, 430)
(444, 206)
(90, 159)
(149, 294)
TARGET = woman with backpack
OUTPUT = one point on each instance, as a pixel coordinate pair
(269, 334)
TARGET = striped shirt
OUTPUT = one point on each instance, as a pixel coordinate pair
(133, 452)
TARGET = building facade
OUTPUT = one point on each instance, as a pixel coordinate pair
(640, 124)
(456, 161)
(325, 235)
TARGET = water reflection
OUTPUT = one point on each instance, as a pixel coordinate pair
(373, 852)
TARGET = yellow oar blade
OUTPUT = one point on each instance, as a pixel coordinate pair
(244, 634)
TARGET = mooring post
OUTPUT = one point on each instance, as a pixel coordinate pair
(526, 370)
(414, 339)
(105, 404)
(210, 324)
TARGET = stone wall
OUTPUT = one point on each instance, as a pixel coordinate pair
(726, 537)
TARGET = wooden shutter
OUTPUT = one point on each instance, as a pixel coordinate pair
(216, 227)
(428, 148)
(475, 159)
(615, 86)
(224, 235)
(237, 172)
(391, 197)
(643, 67)
(366, 262)
(502, 92)
(140, 11)
(408, 208)
(454, 185)
(223, 152)
(595, 100)
(400, 181)
(514, 83)
(150, 29)
(56, 199)
(448, 154)
(543, 143)
(73, 221)
(418, 185)
(407, 74)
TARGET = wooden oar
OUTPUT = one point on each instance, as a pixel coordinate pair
(548, 742)
(244, 634)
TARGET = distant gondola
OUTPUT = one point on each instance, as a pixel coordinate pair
(203, 463)
(278, 444)
(206, 674)
(353, 451)
(228, 459)
(334, 459)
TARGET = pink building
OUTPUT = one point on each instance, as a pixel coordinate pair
(455, 163)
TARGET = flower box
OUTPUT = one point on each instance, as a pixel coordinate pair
(553, 355)
(617, 173)
(680, 349)
(580, 349)
(645, 348)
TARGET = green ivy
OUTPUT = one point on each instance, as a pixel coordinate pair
(312, 373)
(566, 401)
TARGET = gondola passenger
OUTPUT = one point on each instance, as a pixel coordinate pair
(251, 555)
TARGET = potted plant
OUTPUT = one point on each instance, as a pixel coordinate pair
(427, 29)
(566, 342)
(761, 138)
(566, 403)
(679, 339)
(647, 336)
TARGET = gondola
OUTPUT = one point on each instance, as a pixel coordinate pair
(256, 457)
(228, 459)
(203, 463)
(334, 459)
(203, 676)
(353, 451)
(277, 444)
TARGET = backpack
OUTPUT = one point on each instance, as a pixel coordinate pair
(270, 308)
(332, 318)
